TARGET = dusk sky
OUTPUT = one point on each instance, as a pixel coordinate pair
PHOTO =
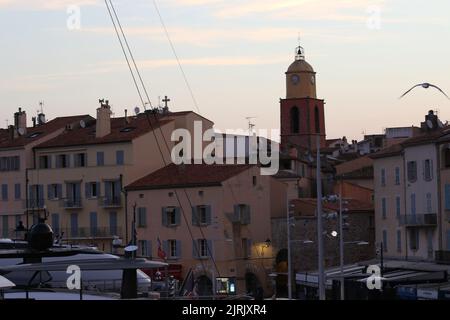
(234, 53)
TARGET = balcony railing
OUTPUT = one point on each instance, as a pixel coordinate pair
(71, 203)
(34, 204)
(90, 233)
(419, 220)
(442, 257)
(110, 202)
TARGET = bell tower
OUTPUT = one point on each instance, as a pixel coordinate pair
(302, 114)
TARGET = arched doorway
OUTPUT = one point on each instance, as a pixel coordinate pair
(204, 286)
(281, 268)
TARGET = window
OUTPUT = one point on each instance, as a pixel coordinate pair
(10, 163)
(385, 241)
(171, 216)
(5, 227)
(17, 191)
(383, 177)
(412, 171)
(80, 160)
(413, 203)
(100, 158)
(397, 206)
(414, 239)
(383, 208)
(62, 161)
(242, 214)
(397, 176)
(145, 248)
(120, 157)
(203, 248)
(92, 190)
(74, 225)
(54, 191)
(201, 215)
(45, 162)
(428, 170)
(142, 217)
(399, 241)
(295, 120)
(317, 119)
(429, 203)
(174, 249)
(4, 192)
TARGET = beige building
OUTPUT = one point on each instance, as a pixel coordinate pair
(213, 220)
(16, 157)
(78, 177)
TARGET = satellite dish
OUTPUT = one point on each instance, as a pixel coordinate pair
(131, 248)
(82, 124)
(137, 110)
(21, 131)
(430, 124)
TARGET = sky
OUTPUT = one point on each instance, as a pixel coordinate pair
(234, 53)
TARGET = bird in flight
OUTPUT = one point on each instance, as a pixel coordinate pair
(425, 85)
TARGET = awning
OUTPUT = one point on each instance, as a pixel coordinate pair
(312, 278)
(5, 283)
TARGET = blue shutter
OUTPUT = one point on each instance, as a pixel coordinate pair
(164, 217)
(17, 191)
(397, 205)
(236, 211)
(93, 223)
(399, 240)
(113, 222)
(210, 251)
(74, 225)
(385, 240)
(100, 158)
(194, 216)
(142, 214)
(49, 162)
(68, 157)
(108, 190)
(119, 157)
(50, 192)
(249, 248)
(59, 190)
(87, 190)
(208, 215)
(4, 192)
(177, 216)
(178, 246)
(413, 204)
(149, 248)
(98, 189)
(195, 252)
(447, 197)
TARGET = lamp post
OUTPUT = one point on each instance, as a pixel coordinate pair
(288, 223)
(322, 295)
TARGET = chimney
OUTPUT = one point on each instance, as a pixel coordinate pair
(34, 121)
(103, 124)
(11, 132)
(20, 123)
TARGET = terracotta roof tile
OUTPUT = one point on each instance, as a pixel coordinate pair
(188, 175)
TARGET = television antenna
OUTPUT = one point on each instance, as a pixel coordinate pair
(250, 124)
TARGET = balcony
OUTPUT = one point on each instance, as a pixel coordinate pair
(419, 220)
(71, 203)
(110, 202)
(90, 233)
(442, 257)
(34, 204)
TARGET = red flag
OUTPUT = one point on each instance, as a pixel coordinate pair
(161, 252)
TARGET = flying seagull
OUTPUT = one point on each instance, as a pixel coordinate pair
(425, 85)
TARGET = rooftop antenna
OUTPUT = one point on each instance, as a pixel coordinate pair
(41, 106)
(250, 124)
(299, 51)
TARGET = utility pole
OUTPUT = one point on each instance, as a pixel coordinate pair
(322, 295)
(341, 241)
(288, 222)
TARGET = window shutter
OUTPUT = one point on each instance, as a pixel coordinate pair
(249, 248)
(18, 191)
(49, 161)
(166, 248)
(149, 248)
(87, 190)
(59, 189)
(208, 215)
(68, 160)
(210, 248)
(177, 216)
(142, 217)
(194, 216)
(98, 184)
(179, 248)
(237, 217)
(246, 218)
(164, 217)
(195, 252)
(50, 192)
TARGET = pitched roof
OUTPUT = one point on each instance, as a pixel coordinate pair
(393, 150)
(35, 133)
(121, 131)
(188, 175)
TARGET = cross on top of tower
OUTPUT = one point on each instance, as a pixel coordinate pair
(166, 100)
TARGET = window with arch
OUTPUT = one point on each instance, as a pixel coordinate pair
(317, 119)
(295, 120)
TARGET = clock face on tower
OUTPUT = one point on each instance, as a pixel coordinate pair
(295, 79)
